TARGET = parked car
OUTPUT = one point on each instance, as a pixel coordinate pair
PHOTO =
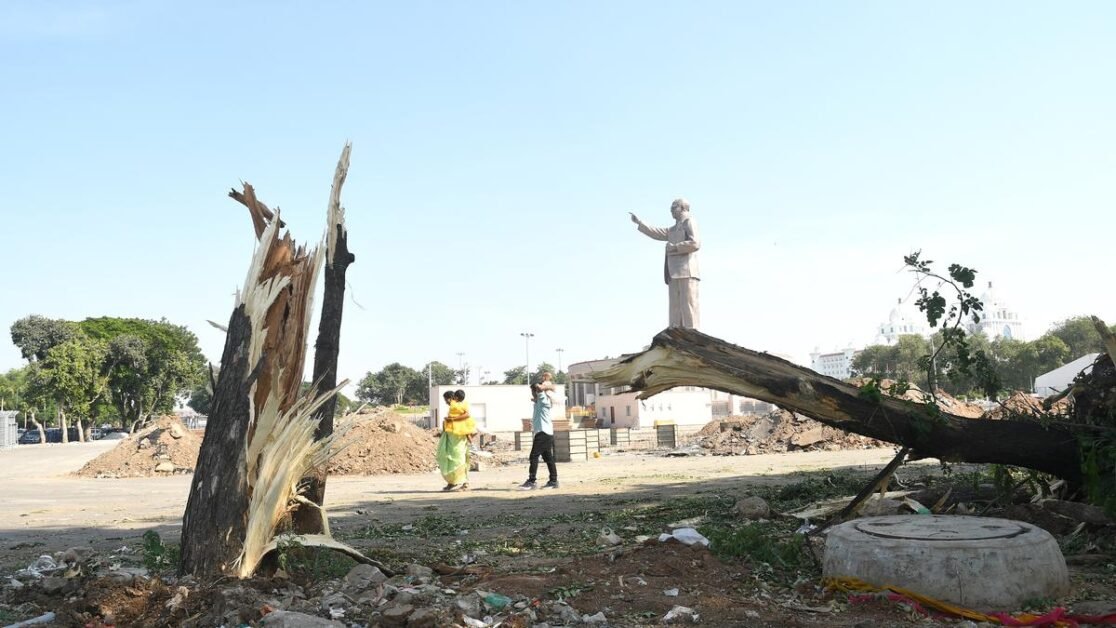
(54, 435)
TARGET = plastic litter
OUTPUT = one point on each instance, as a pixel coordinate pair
(608, 537)
(496, 602)
(681, 613)
(42, 566)
(689, 536)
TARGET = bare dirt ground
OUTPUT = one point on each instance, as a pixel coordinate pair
(542, 549)
(46, 508)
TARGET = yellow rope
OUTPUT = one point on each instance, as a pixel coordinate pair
(849, 584)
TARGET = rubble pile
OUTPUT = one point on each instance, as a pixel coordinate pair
(776, 432)
(947, 402)
(378, 441)
(661, 581)
(166, 447)
(1021, 404)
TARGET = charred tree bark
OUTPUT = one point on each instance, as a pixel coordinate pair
(260, 439)
(213, 527)
(306, 519)
(686, 357)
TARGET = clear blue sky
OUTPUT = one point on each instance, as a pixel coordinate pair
(499, 146)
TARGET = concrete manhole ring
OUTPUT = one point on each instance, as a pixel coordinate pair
(941, 528)
(977, 562)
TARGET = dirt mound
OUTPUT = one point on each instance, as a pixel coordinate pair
(164, 448)
(776, 432)
(381, 442)
(947, 402)
(1022, 405)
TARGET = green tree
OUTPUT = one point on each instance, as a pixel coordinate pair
(393, 384)
(909, 351)
(956, 380)
(441, 375)
(201, 399)
(149, 364)
(1011, 358)
(71, 374)
(545, 367)
(516, 375)
(13, 390)
(1079, 336)
(875, 362)
(34, 335)
(344, 404)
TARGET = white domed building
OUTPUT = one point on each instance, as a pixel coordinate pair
(997, 320)
(904, 320)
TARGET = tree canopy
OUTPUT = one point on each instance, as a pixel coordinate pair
(127, 368)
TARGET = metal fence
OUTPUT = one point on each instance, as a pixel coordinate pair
(9, 430)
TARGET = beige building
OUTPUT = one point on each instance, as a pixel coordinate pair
(497, 407)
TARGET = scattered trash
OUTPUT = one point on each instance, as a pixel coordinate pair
(45, 618)
(825, 508)
(686, 536)
(671, 592)
(806, 527)
(179, 598)
(42, 566)
(598, 618)
(608, 537)
(918, 508)
(681, 614)
(496, 602)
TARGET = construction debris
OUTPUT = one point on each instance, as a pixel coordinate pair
(379, 442)
(166, 447)
(776, 432)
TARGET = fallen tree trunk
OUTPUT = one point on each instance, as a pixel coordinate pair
(686, 357)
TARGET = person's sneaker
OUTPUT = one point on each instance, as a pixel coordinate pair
(528, 486)
(551, 484)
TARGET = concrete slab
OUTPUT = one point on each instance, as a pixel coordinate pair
(976, 562)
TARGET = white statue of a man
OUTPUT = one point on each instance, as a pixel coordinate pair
(680, 270)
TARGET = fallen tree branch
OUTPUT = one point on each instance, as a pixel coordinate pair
(1107, 336)
(686, 357)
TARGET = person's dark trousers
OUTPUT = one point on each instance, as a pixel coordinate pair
(543, 445)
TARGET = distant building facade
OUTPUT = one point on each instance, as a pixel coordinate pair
(997, 320)
(837, 364)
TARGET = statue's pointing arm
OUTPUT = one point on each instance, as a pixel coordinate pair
(656, 233)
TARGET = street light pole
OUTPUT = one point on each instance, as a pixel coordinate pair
(527, 336)
(461, 366)
(559, 350)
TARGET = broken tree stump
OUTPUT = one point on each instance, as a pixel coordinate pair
(260, 439)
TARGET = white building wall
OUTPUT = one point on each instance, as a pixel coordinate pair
(837, 364)
(495, 408)
(682, 406)
(584, 393)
